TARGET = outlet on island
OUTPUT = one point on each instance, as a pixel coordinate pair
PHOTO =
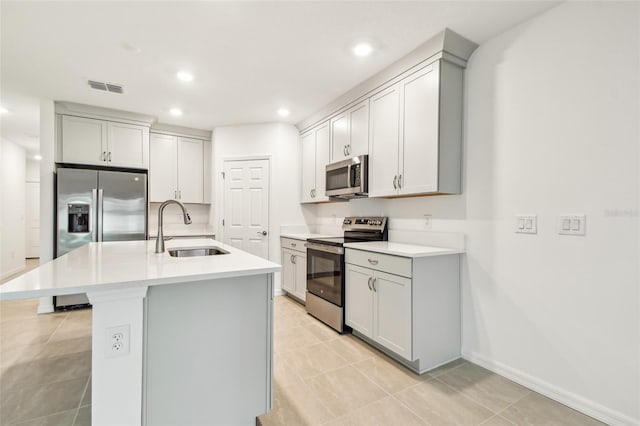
(117, 341)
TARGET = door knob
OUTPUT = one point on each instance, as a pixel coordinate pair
(262, 232)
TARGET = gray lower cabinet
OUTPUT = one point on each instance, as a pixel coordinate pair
(208, 352)
(407, 307)
(294, 268)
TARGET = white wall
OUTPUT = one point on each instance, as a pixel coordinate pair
(12, 203)
(281, 142)
(32, 173)
(47, 196)
(32, 209)
(552, 128)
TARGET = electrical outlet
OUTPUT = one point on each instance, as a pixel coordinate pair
(117, 341)
(427, 221)
(526, 224)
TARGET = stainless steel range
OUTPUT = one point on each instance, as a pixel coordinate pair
(325, 268)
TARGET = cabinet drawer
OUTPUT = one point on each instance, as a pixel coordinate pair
(382, 262)
(293, 244)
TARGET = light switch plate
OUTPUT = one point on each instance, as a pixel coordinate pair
(526, 224)
(575, 224)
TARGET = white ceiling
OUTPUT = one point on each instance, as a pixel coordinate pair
(248, 58)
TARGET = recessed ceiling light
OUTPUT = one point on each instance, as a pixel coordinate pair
(37, 157)
(362, 49)
(184, 76)
(283, 112)
(3, 110)
(176, 111)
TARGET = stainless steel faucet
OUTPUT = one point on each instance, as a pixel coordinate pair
(160, 237)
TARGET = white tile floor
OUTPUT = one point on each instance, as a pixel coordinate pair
(320, 377)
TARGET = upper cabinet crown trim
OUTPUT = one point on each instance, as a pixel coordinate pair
(100, 113)
(169, 129)
(446, 45)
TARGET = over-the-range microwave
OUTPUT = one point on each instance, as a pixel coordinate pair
(348, 179)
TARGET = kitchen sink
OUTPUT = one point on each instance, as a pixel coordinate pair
(196, 251)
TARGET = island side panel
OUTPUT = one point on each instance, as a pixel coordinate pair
(208, 351)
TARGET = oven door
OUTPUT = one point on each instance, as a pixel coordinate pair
(325, 272)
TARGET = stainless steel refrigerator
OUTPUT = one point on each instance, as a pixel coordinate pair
(97, 205)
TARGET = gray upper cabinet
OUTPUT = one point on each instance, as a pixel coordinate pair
(350, 132)
(179, 169)
(416, 134)
(106, 143)
(408, 118)
(315, 157)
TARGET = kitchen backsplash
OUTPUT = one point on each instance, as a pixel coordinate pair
(199, 214)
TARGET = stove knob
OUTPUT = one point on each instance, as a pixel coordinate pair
(370, 222)
(379, 222)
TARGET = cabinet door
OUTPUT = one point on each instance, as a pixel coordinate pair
(206, 148)
(358, 130)
(339, 137)
(359, 299)
(300, 265)
(384, 144)
(128, 145)
(84, 140)
(322, 159)
(392, 313)
(419, 168)
(163, 168)
(308, 142)
(288, 272)
(190, 170)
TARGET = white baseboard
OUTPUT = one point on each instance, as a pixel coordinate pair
(278, 292)
(577, 402)
(13, 271)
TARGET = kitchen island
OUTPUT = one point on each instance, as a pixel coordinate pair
(175, 340)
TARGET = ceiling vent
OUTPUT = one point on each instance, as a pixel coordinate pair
(107, 87)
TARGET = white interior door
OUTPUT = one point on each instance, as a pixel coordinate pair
(32, 235)
(246, 205)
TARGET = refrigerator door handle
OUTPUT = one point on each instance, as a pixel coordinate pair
(94, 206)
(99, 212)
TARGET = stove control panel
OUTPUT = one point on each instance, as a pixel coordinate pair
(362, 223)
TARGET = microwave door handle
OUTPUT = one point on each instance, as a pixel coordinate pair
(349, 177)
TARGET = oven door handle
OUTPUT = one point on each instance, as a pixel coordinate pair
(324, 248)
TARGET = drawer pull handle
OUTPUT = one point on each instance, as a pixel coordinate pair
(369, 283)
(373, 262)
(293, 244)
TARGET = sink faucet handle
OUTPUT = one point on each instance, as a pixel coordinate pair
(187, 219)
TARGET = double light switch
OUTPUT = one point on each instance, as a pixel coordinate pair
(526, 224)
(567, 225)
(572, 225)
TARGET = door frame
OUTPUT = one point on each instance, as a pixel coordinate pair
(221, 197)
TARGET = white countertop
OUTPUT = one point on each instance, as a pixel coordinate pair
(181, 230)
(304, 236)
(400, 249)
(126, 264)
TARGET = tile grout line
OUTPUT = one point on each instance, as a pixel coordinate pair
(469, 398)
(406, 406)
(86, 386)
(57, 328)
(499, 413)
